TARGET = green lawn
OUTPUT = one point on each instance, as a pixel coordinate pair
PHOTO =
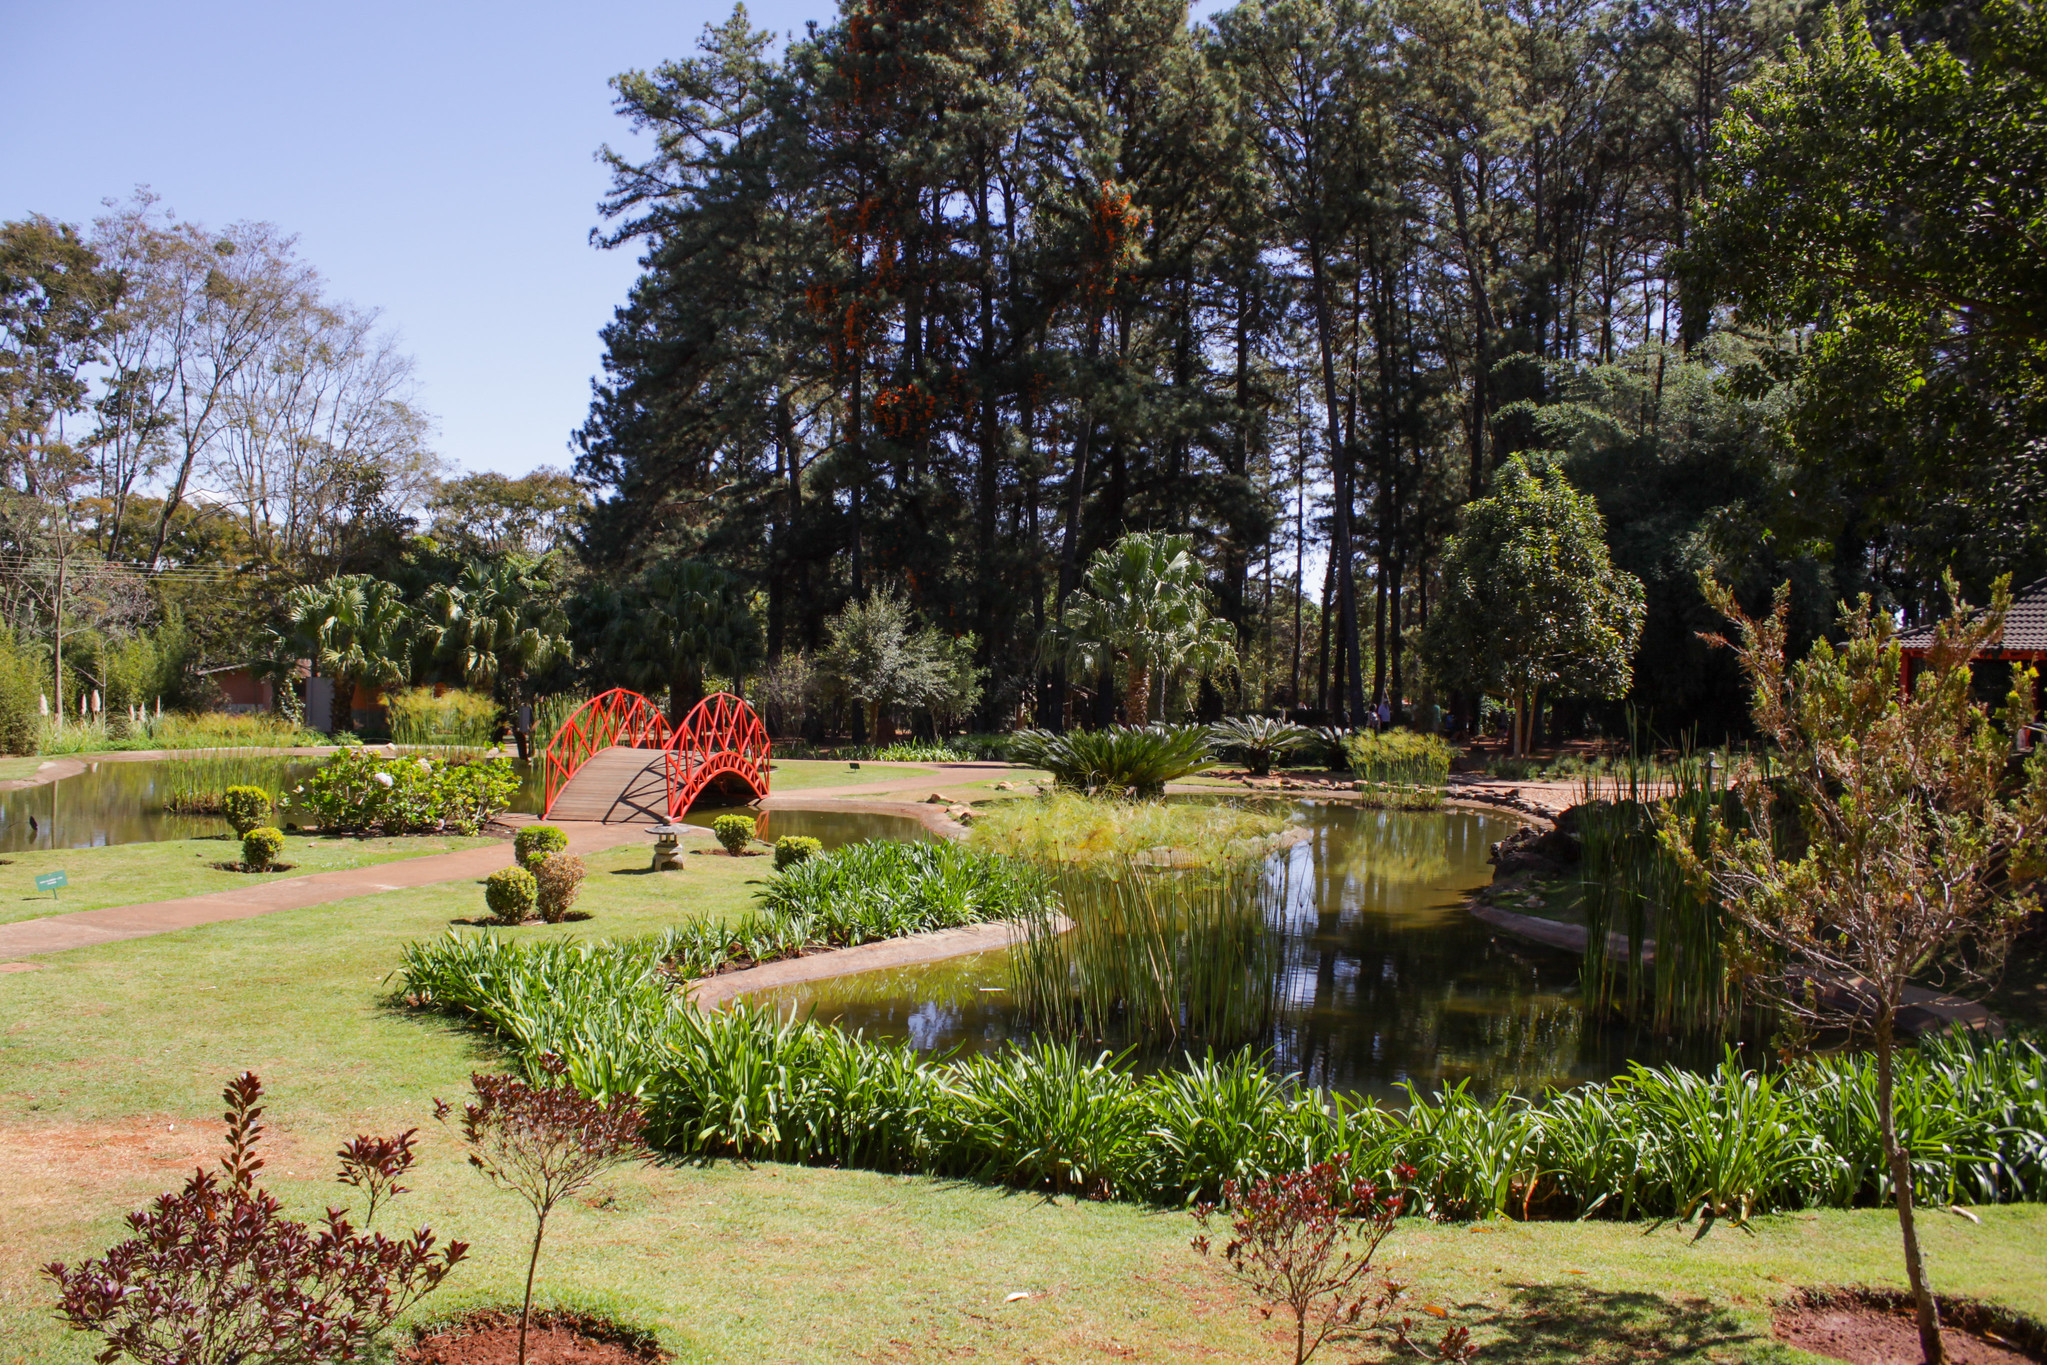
(802, 774)
(126, 874)
(111, 1059)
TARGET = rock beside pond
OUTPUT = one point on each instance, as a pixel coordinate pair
(1545, 852)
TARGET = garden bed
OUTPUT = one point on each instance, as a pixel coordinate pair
(490, 1336)
(1876, 1327)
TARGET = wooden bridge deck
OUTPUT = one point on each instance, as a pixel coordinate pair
(617, 785)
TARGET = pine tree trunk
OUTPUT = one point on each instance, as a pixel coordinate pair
(1925, 1310)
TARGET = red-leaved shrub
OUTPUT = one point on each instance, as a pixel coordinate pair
(217, 1273)
(1305, 1241)
(545, 1142)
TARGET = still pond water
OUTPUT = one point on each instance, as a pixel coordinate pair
(1386, 978)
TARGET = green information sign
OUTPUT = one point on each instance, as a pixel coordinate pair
(50, 881)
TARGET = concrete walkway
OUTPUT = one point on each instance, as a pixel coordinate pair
(83, 928)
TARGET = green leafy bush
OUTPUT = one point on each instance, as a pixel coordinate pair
(535, 842)
(260, 846)
(1400, 768)
(1656, 1142)
(558, 880)
(245, 808)
(791, 849)
(918, 751)
(735, 832)
(1135, 760)
(358, 790)
(511, 892)
(887, 887)
(1259, 740)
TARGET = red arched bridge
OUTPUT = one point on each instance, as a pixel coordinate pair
(617, 758)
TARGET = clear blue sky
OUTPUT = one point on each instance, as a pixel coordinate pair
(435, 160)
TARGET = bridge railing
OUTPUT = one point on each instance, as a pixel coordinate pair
(721, 734)
(615, 717)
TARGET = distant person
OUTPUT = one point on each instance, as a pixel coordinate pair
(1385, 713)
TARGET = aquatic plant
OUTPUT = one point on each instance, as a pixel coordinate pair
(1067, 828)
(1133, 760)
(1152, 955)
(1400, 769)
(459, 723)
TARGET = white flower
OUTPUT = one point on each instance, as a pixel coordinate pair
(383, 779)
(425, 766)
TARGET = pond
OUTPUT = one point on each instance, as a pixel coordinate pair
(1385, 976)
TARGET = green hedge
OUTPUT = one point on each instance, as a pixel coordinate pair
(1657, 1142)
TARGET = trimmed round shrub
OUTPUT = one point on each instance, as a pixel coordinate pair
(245, 808)
(559, 880)
(791, 849)
(261, 845)
(535, 842)
(733, 831)
(510, 894)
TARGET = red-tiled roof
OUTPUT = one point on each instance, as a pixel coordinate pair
(2025, 628)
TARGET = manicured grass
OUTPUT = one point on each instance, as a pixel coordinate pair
(111, 1060)
(802, 774)
(1022, 782)
(127, 874)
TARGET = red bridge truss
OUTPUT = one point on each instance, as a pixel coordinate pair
(720, 737)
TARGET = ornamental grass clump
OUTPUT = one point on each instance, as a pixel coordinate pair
(545, 1142)
(511, 893)
(217, 1274)
(244, 808)
(557, 880)
(1308, 1242)
(534, 842)
(735, 832)
(887, 888)
(260, 847)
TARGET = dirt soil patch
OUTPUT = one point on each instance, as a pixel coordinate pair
(491, 1337)
(1874, 1327)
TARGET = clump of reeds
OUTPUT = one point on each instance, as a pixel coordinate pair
(1400, 769)
(194, 786)
(1670, 971)
(1065, 828)
(1152, 955)
(460, 725)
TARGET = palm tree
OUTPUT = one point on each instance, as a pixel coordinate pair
(1142, 604)
(352, 627)
(497, 624)
(681, 620)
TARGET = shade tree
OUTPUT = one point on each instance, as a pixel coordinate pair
(1532, 606)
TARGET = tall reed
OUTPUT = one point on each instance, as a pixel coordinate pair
(1156, 956)
(1654, 938)
(1400, 769)
(193, 786)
